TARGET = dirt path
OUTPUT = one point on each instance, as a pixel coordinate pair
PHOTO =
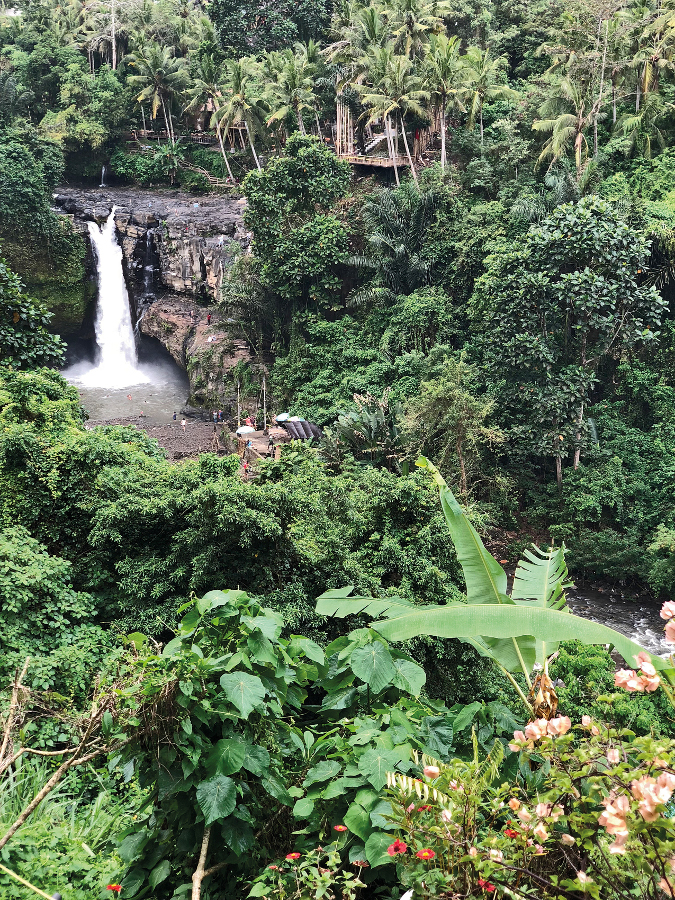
(197, 438)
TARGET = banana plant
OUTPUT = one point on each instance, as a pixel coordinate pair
(515, 630)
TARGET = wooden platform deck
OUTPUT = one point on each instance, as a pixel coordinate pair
(383, 162)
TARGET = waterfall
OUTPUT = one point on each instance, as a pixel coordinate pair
(117, 363)
(102, 184)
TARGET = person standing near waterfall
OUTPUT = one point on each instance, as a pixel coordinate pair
(182, 425)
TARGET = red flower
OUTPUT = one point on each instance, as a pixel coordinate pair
(361, 862)
(114, 887)
(339, 828)
(397, 847)
(274, 868)
(486, 885)
(422, 808)
(425, 854)
(509, 832)
(293, 855)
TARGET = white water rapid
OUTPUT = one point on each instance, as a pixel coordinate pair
(117, 361)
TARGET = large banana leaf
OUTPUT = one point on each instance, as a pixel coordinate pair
(549, 625)
(485, 579)
(338, 604)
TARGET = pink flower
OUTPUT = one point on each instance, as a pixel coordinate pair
(667, 887)
(446, 815)
(410, 808)
(519, 741)
(431, 771)
(340, 828)
(556, 812)
(644, 663)
(670, 632)
(651, 683)
(425, 854)
(559, 725)
(496, 855)
(542, 809)
(614, 816)
(652, 793)
(473, 852)
(396, 848)
(618, 848)
(524, 815)
(584, 878)
(587, 723)
(568, 840)
(540, 833)
(536, 730)
(623, 677)
(514, 804)
(667, 610)
(613, 756)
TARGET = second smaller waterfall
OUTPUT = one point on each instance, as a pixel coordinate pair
(117, 363)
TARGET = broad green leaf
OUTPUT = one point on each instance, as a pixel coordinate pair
(132, 845)
(375, 764)
(338, 603)
(244, 691)
(338, 787)
(409, 676)
(374, 665)
(261, 648)
(216, 797)
(224, 598)
(227, 757)
(357, 819)
(257, 759)
(159, 873)
(133, 881)
(237, 835)
(303, 808)
(259, 890)
(550, 625)
(466, 716)
(485, 579)
(376, 848)
(378, 813)
(276, 788)
(323, 771)
(436, 734)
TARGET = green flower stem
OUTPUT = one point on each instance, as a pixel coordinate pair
(24, 882)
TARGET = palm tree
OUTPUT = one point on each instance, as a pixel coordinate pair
(206, 91)
(293, 90)
(441, 73)
(641, 130)
(160, 76)
(396, 224)
(12, 97)
(479, 83)
(566, 116)
(241, 102)
(412, 22)
(397, 91)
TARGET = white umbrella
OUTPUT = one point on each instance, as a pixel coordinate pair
(245, 429)
(282, 417)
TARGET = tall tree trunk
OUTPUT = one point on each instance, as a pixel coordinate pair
(481, 128)
(166, 121)
(114, 35)
(443, 127)
(577, 451)
(301, 124)
(558, 472)
(250, 140)
(638, 90)
(407, 151)
(390, 137)
(318, 127)
(222, 150)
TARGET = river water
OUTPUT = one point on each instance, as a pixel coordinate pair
(636, 616)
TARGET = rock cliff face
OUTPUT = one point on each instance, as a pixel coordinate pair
(177, 248)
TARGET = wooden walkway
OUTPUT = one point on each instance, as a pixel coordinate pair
(382, 162)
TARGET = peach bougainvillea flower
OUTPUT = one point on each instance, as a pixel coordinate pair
(568, 840)
(431, 771)
(536, 730)
(540, 833)
(397, 847)
(584, 878)
(293, 855)
(425, 854)
(614, 816)
(670, 631)
(340, 828)
(514, 804)
(667, 610)
(613, 756)
(559, 725)
(652, 792)
(446, 815)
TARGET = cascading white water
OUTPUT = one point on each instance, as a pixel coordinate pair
(117, 364)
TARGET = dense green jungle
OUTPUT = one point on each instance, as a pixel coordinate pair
(350, 672)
